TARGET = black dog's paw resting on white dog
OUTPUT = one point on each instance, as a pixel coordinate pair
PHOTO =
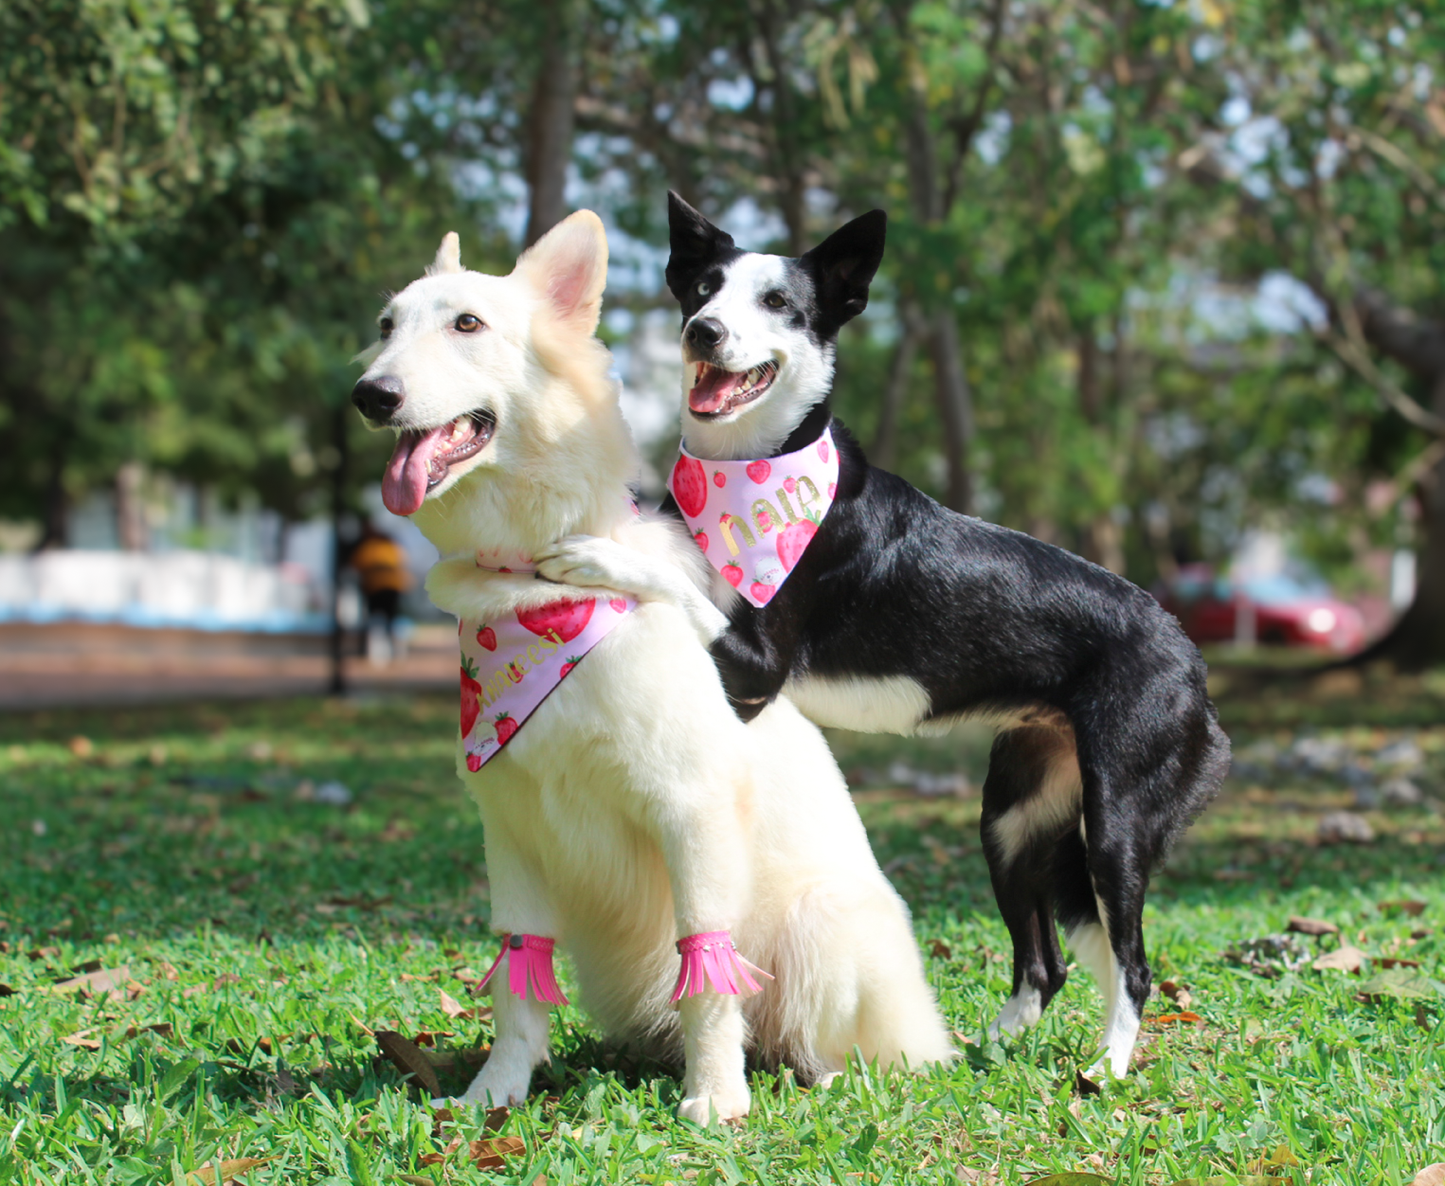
(901, 616)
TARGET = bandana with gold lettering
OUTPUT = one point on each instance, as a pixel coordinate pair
(753, 519)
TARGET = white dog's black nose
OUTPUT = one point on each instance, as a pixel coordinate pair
(705, 333)
(378, 399)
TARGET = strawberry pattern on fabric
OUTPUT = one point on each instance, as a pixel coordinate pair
(754, 519)
(511, 664)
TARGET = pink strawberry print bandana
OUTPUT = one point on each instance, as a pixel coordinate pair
(511, 664)
(753, 519)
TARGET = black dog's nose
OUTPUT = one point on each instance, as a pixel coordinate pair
(378, 399)
(706, 333)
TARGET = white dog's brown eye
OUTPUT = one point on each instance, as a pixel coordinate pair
(704, 289)
(775, 300)
(384, 327)
(468, 324)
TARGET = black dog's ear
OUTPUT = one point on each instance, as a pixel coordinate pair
(694, 241)
(844, 263)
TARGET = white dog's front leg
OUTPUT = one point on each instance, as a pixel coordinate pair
(593, 562)
(707, 853)
(522, 1035)
(521, 905)
(714, 1082)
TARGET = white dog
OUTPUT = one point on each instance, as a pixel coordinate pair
(632, 811)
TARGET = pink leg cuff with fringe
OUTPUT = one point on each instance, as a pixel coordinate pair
(530, 963)
(711, 959)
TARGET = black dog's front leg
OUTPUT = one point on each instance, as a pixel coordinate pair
(752, 664)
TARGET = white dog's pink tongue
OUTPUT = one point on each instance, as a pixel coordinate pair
(403, 486)
(713, 387)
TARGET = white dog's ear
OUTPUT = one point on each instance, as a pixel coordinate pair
(568, 265)
(449, 256)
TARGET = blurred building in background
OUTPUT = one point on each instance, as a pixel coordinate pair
(199, 566)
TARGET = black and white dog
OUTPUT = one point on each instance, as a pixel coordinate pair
(901, 616)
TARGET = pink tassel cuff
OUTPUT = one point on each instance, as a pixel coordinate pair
(711, 959)
(530, 963)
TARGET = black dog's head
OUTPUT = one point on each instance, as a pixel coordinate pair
(759, 331)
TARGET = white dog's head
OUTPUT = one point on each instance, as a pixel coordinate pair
(498, 393)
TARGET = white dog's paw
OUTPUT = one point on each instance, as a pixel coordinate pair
(729, 1104)
(594, 562)
(495, 1091)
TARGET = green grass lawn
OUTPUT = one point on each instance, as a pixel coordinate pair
(240, 938)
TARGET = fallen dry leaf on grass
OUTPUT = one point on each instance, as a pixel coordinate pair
(1343, 959)
(109, 981)
(407, 1058)
(453, 1008)
(1270, 955)
(1400, 983)
(79, 1038)
(492, 1153)
(1177, 993)
(1431, 1175)
(206, 1175)
(1311, 926)
(1185, 1018)
(1070, 1180)
(1280, 1158)
(1411, 906)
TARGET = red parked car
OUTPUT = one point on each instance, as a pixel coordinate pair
(1286, 611)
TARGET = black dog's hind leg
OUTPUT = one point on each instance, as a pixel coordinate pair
(1132, 811)
(1030, 801)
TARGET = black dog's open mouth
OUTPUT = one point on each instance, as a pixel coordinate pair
(716, 392)
(423, 457)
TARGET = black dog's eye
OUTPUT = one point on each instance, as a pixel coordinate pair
(468, 324)
(384, 327)
(704, 289)
(775, 300)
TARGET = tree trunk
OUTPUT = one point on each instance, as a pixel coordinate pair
(884, 451)
(130, 522)
(550, 122)
(340, 440)
(955, 408)
(1417, 640)
(1104, 543)
(788, 158)
(56, 532)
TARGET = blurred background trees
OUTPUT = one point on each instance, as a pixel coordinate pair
(1157, 272)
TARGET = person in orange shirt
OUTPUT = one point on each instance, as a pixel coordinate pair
(381, 564)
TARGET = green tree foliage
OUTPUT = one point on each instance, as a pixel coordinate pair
(202, 205)
(199, 203)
